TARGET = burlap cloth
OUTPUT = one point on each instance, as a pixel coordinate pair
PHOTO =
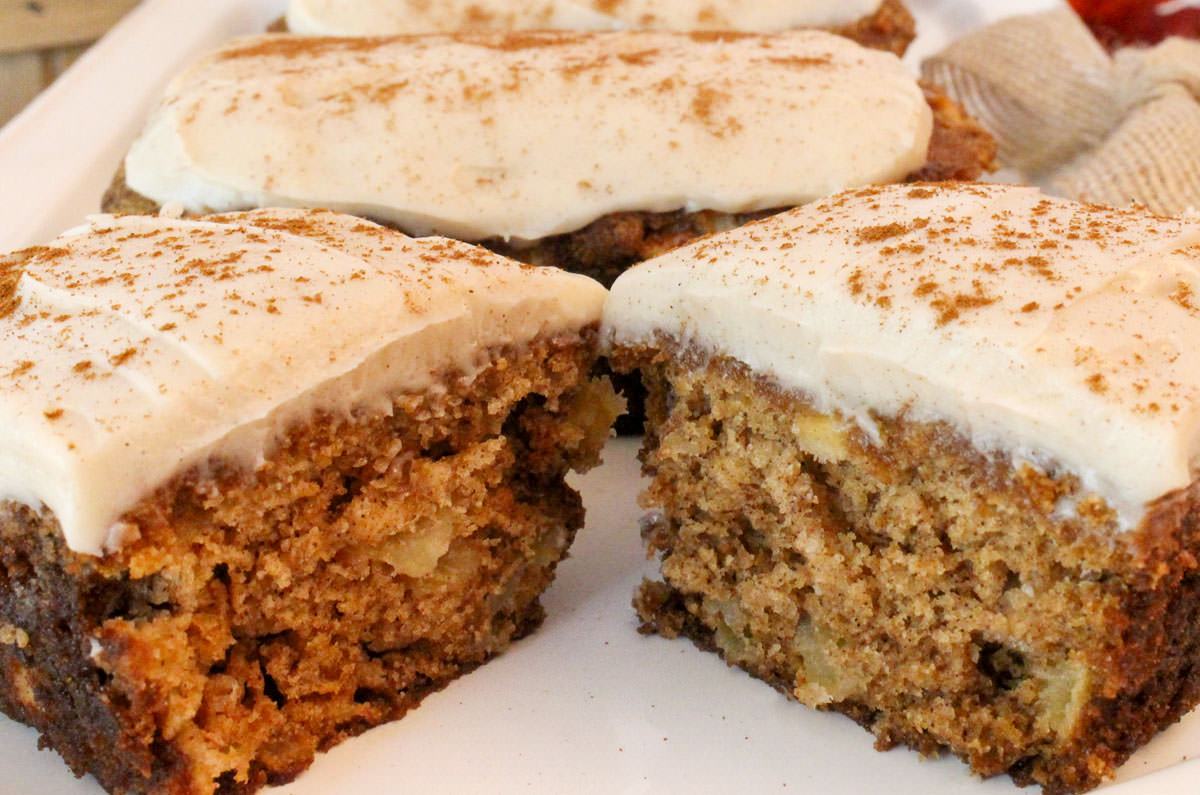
(1077, 121)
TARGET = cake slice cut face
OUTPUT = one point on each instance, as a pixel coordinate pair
(926, 455)
(886, 24)
(581, 150)
(269, 478)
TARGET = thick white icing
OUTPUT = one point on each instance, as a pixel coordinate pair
(143, 345)
(384, 17)
(529, 135)
(1058, 332)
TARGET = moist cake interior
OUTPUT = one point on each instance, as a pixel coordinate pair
(940, 596)
(252, 619)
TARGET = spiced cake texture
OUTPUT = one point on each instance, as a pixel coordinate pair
(922, 455)
(660, 138)
(886, 25)
(307, 573)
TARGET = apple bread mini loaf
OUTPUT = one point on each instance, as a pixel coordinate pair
(270, 478)
(587, 151)
(926, 455)
(883, 24)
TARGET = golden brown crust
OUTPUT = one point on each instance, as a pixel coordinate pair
(890, 28)
(120, 198)
(252, 619)
(935, 594)
(960, 149)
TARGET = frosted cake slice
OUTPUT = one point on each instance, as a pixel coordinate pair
(884, 24)
(270, 478)
(586, 151)
(926, 455)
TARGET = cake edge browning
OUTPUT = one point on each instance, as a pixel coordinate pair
(176, 664)
(1148, 585)
(892, 28)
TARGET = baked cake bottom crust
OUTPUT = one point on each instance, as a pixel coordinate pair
(253, 619)
(942, 597)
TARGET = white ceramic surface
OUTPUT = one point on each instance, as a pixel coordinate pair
(585, 705)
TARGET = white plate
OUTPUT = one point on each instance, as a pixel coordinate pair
(586, 704)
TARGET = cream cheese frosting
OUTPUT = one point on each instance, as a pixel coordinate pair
(136, 347)
(521, 136)
(383, 17)
(1056, 332)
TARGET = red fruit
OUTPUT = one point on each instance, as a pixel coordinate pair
(1121, 22)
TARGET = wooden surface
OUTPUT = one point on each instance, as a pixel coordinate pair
(44, 24)
(39, 39)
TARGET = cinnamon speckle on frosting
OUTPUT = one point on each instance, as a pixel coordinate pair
(1184, 296)
(879, 232)
(10, 273)
(707, 107)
